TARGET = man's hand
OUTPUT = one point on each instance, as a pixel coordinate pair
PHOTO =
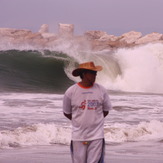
(69, 116)
(105, 113)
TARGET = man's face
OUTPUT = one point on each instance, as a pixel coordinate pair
(90, 76)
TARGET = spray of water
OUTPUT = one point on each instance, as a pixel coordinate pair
(137, 69)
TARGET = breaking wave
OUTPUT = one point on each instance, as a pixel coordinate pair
(137, 69)
(47, 134)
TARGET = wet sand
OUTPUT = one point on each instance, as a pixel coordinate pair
(60, 154)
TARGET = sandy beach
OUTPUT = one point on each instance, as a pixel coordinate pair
(60, 154)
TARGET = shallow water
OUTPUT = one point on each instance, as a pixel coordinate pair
(134, 126)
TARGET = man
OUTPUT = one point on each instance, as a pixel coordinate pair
(86, 104)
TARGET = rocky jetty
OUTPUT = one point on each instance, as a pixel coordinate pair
(95, 40)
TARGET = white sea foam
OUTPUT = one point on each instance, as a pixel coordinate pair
(39, 134)
(144, 131)
(46, 134)
(141, 69)
(136, 69)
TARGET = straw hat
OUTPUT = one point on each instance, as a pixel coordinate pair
(86, 66)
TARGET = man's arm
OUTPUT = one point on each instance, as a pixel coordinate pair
(105, 113)
(69, 116)
(67, 107)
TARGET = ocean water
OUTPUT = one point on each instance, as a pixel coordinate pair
(33, 82)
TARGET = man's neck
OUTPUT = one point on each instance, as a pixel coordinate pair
(86, 84)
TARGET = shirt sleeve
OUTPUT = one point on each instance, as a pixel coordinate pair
(107, 103)
(67, 105)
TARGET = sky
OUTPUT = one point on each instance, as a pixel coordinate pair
(112, 16)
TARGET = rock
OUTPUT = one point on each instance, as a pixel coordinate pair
(107, 37)
(7, 32)
(90, 40)
(50, 36)
(66, 30)
(152, 37)
(35, 39)
(130, 37)
(21, 37)
(101, 40)
(13, 36)
(93, 35)
(109, 41)
(44, 29)
(31, 36)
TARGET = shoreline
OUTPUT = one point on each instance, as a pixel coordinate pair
(60, 154)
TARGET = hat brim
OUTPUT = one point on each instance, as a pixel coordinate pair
(78, 71)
